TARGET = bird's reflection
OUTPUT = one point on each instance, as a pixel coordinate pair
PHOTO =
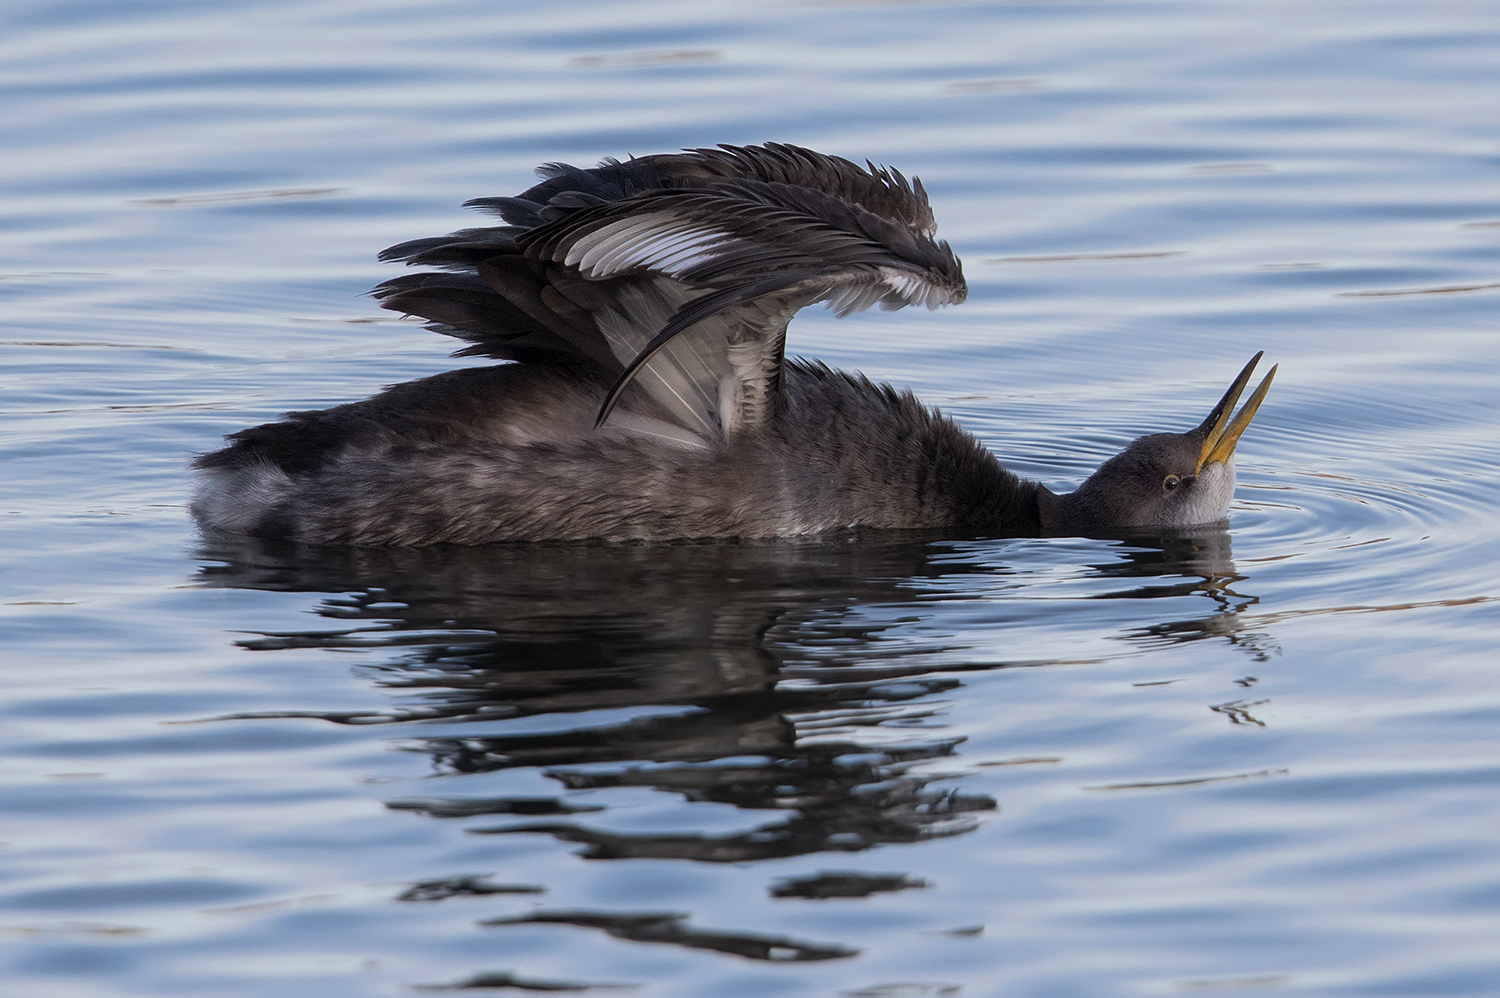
(784, 678)
(1197, 561)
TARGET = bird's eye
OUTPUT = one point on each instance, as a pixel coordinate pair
(1170, 482)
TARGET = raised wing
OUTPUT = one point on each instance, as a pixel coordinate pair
(672, 278)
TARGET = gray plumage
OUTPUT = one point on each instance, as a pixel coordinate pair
(644, 305)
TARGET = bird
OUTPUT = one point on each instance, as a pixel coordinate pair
(639, 311)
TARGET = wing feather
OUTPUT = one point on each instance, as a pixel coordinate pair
(673, 276)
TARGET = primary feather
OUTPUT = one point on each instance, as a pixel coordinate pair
(679, 273)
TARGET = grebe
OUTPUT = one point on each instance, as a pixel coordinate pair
(643, 307)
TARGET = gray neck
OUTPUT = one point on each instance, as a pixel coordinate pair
(1051, 509)
(1009, 506)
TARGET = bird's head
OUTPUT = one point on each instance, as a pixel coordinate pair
(1164, 479)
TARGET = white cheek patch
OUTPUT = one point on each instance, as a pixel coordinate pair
(1211, 496)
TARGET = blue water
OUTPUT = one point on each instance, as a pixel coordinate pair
(1258, 757)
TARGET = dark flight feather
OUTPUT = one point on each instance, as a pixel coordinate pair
(743, 235)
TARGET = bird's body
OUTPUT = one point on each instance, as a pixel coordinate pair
(439, 460)
(645, 307)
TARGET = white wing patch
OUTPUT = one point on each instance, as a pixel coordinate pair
(657, 241)
(856, 296)
(714, 380)
(681, 378)
(718, 376)
(890, 287)
(670, 245)
(913, 289)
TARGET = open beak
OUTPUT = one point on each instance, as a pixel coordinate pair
(1220, 433)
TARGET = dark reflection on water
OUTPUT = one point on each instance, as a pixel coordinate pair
(508, 981)
(844, 884)
(463, 886)
(673, 928)
(778, 677)
(1185, 563)
(788, 699)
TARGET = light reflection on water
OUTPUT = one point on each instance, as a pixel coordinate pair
(1260, 757)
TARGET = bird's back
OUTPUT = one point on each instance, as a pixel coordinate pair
(510, 453)
(644, 305)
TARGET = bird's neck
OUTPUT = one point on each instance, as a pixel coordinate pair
(1007, 505)
(1065, 513)
(1051, 509)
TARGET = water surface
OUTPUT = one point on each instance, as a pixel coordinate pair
(1254, 756)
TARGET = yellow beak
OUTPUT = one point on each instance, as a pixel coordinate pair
(1220, 432)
